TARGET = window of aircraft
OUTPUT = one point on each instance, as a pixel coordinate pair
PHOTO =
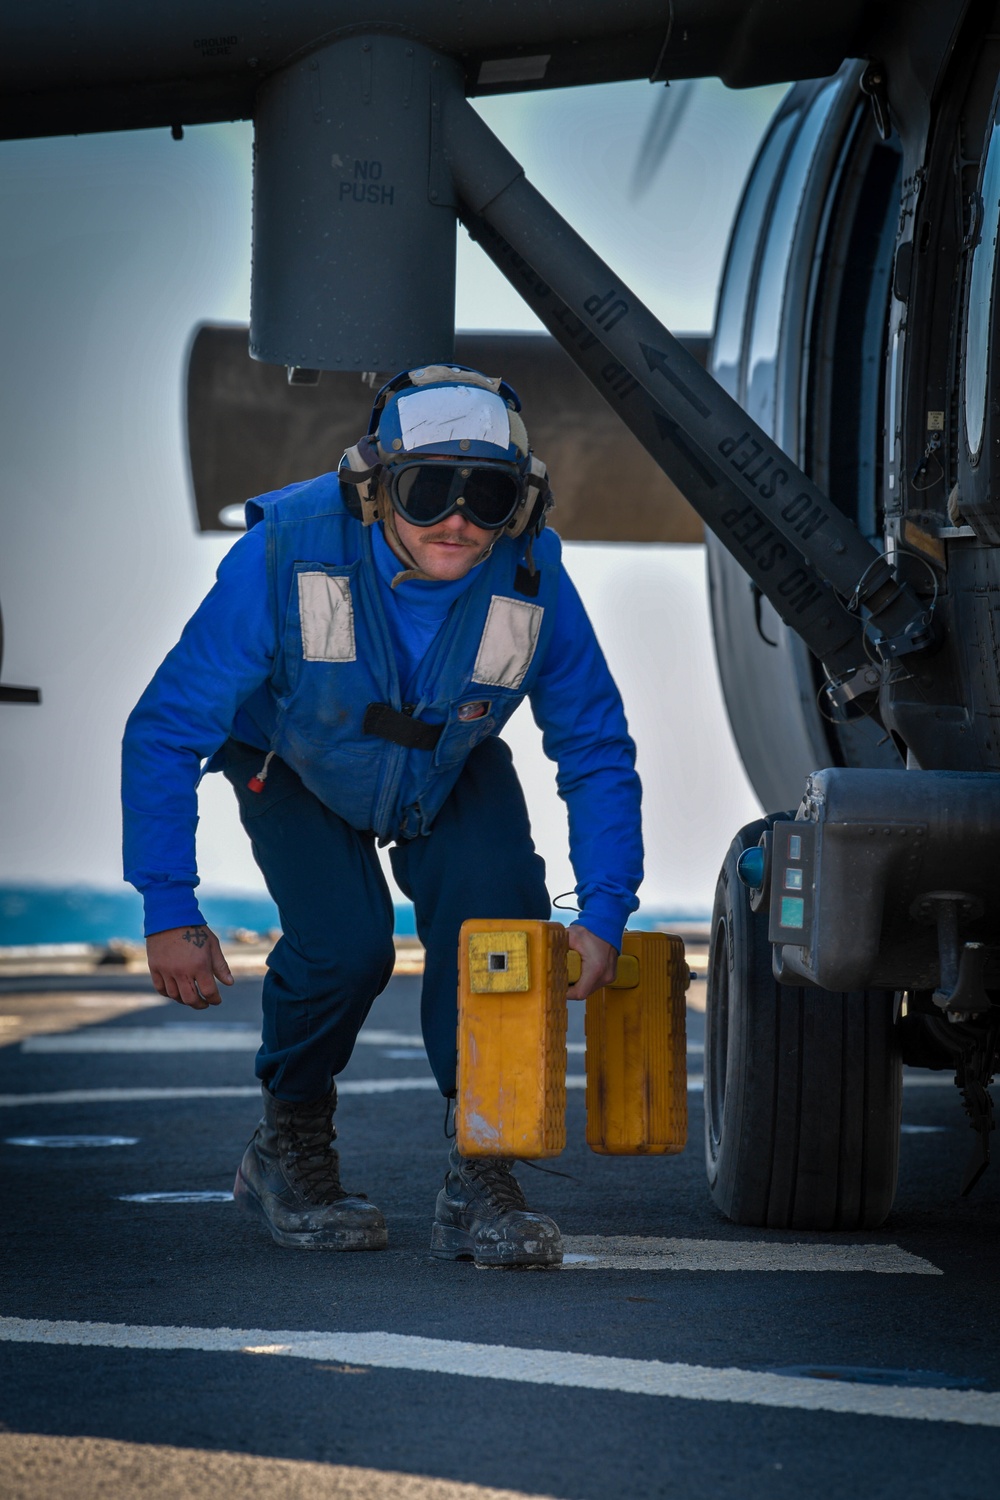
(762, 363)
(732, 304)
(980, 297)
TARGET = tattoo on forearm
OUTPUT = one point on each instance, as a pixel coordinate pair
(196, 935)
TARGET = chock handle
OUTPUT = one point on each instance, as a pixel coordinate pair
(626, 972)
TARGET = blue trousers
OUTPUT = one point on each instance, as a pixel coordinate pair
(335, 954)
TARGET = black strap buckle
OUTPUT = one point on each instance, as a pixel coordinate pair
(527, 582)
(389, 723)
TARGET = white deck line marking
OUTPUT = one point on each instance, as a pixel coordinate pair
(125, 1096)
(346, 1086)
(213, 1037)
(383, 1085)
(390, 1038)
(625, 1253)
(211, 1196)
(140, 1096)
(597, 1372)
(120, 998)
(68, 1142)
(178, 1038)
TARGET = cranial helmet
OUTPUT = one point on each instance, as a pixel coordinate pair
(446, 439)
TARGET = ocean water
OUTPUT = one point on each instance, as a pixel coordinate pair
(85, 914)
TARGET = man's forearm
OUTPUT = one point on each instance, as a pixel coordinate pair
(579, 711)
(606, 852)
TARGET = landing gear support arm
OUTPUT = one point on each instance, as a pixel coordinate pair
(811, 562)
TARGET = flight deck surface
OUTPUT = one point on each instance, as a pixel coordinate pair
(164, 1343)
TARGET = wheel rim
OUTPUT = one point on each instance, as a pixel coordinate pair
(717, 1037)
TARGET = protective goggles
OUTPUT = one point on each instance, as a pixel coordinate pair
(425, 493)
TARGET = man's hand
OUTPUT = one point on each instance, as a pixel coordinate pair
(184, 963)
(597, 962)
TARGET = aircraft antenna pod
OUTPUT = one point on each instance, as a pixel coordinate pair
(353, 214)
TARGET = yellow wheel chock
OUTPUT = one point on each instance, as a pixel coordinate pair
(513, 978)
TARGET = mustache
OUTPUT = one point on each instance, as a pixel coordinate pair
(449, 536)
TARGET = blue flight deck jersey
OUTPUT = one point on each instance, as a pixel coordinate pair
(216, 683)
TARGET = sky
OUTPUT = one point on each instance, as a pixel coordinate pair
(114, 247)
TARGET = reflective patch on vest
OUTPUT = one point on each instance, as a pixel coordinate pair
(326, 616)
(508, 643)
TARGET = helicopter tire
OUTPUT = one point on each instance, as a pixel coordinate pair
(803, 1086)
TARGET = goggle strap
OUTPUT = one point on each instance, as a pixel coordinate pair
(446, 375)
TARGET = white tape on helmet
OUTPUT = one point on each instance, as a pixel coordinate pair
(447, 414)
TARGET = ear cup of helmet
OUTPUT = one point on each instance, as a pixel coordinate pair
(360, 475)
(538, 500)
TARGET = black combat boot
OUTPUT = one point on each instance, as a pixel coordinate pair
(482, 1216)
(290, 1174)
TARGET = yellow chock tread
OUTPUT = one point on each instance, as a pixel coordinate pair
(637, 1053)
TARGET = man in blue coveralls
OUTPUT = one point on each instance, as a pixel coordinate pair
(349, 673)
